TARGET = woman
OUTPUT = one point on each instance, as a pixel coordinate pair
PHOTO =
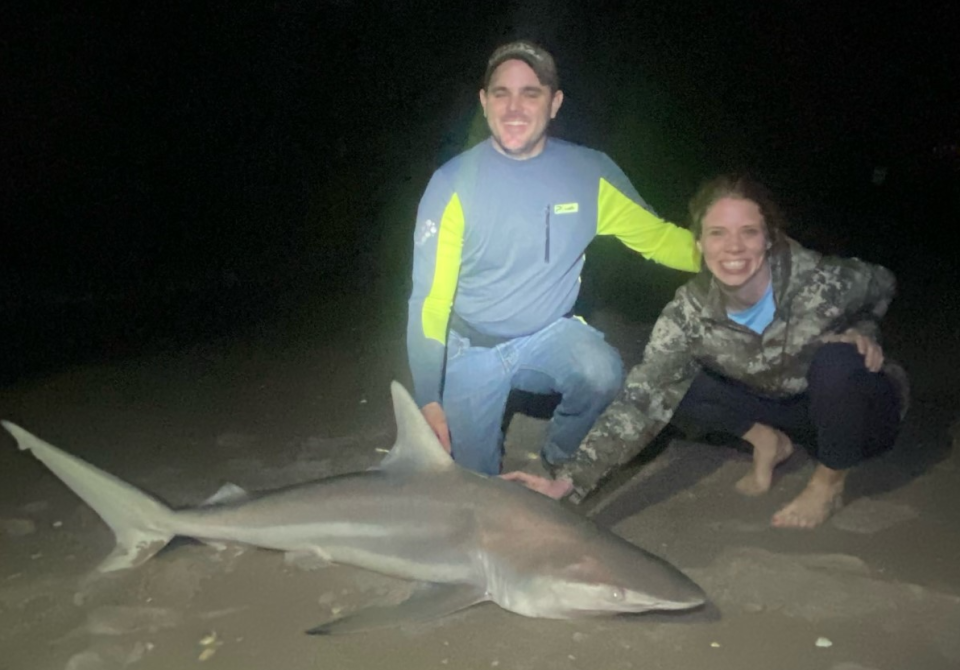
(773, 343)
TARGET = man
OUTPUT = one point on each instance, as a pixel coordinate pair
(499, 245)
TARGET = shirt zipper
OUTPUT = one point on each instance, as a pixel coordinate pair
(546, 227)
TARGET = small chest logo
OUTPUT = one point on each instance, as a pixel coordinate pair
(567, 208)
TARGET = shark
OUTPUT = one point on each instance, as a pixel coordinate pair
(463, 537)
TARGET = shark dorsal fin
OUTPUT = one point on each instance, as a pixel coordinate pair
(417, 447)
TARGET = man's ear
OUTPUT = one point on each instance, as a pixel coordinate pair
(555, 104)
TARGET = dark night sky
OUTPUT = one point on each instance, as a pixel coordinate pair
(285, 144)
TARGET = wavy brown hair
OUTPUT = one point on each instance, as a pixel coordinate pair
(742, 187)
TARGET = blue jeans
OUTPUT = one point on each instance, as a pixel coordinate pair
(567, 357)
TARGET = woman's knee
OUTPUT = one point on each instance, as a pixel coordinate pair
(715, 404)
(833, 364)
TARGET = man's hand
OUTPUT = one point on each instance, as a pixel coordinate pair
(437, 419)
(552, 488)
(868, 347)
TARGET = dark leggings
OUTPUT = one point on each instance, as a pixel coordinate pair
(847, 414)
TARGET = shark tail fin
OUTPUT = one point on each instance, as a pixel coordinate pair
(141, 524)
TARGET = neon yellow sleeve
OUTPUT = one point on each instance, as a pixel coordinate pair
(443, 287)
(644, 232)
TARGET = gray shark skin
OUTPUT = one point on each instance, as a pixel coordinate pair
(418, 516)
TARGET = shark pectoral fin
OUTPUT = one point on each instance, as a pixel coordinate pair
(133, 548)
(427, 603)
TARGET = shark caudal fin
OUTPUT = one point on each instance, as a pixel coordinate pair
(141, 524)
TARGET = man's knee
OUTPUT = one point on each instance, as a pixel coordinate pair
(476, 437)
(600, 371)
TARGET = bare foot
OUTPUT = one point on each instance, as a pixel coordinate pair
(822, 497)
(770, 448)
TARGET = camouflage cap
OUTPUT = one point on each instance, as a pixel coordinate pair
(538, 58)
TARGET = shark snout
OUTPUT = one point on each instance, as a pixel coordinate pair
(682, 596)
(658, 585)
(691, 598)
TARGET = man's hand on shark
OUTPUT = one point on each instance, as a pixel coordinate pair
(437, 419)
(552, 488)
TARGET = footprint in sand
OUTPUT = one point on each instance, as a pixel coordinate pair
(868, 516)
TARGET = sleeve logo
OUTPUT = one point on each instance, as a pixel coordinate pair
(425, 230)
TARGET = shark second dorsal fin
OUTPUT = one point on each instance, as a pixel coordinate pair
(227, 494)
(417, 447)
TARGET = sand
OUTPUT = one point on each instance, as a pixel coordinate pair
(877, 587)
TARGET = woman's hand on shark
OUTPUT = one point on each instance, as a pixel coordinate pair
(552, 488)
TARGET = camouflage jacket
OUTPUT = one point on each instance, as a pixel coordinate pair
(814, 296)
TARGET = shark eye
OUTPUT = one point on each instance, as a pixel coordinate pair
(617, 594)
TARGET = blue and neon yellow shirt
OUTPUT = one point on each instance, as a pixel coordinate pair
(501, 242)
